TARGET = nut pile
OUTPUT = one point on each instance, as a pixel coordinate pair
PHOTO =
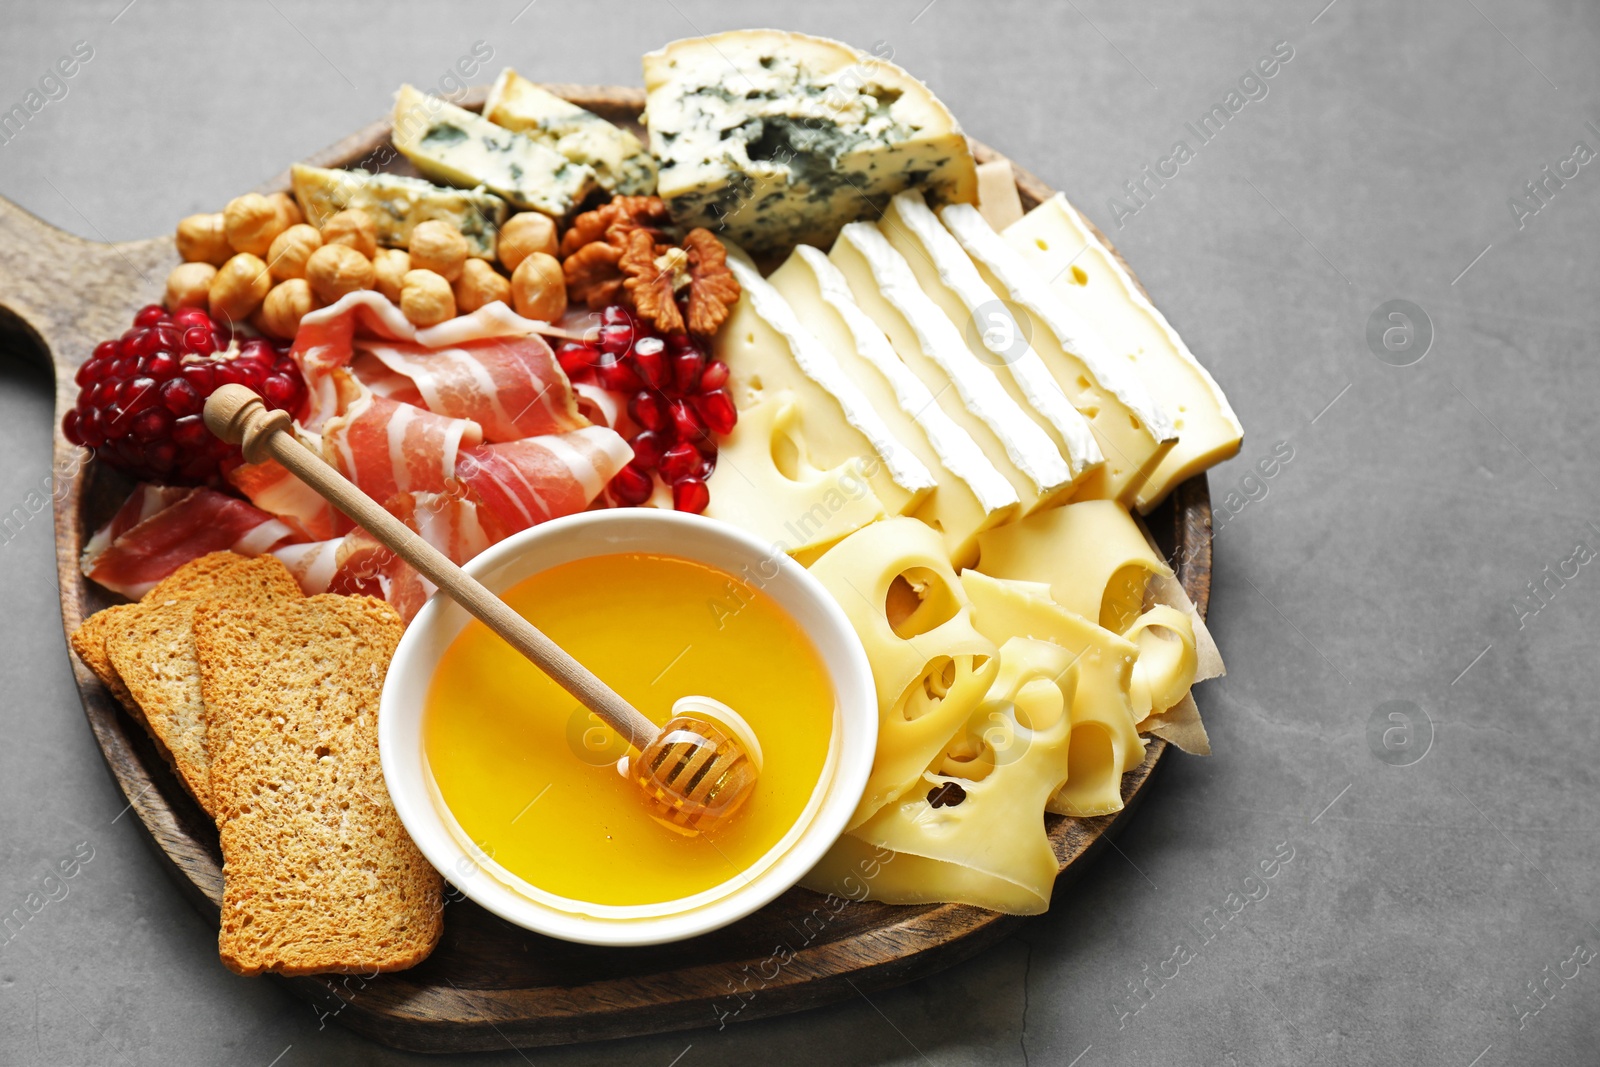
(259, 261)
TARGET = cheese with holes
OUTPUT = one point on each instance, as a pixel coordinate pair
(767, 349)
(772, 139)
(931, 667)
(619, 161)
(450, 145)
(1096, 671)
(1059, 246)
(932, 346)
(396, 204)
(1091, 554)
(949, 278)
(766, 483)
(972, 495)
(1134, 433)
(1165, 670)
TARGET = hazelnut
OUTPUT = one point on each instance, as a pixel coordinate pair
(525, 234)
(204, 239)
(189, 285)
(285, 306)
(438, 246)
(290, 250)
(480, 284)
(334, 270)
(352, 227)
(425, 298)
(239, 287)
(539, 288)
(390, 266)
(288, 209)
(252, 221)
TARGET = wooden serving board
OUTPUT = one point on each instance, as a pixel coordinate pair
(489, 983)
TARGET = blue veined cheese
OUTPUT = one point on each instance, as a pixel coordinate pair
(457, 147)
(774, 139)
(620, 162)
(396, 204)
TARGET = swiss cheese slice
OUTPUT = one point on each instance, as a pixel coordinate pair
(972, 495)
(767, 484)
(1091, 554)
(767, 349)
(1097, 670)
(932, 346)
(932, 668)
(949, 278)
(1133, 431)
(1060, 247)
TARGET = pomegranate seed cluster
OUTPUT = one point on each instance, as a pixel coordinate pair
(675, 396)
(140, 397)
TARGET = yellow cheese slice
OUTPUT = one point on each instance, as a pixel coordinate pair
(953, 283)
(972, 495)
(1096, 669)
(998, 201)
(1092, 555)
(1132, 430)
(883, 285)
(932, 668)
(766, 349)
(1165, 670)
(1082, 272)
(766, 483)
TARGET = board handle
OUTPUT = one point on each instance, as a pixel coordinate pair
(238, 416)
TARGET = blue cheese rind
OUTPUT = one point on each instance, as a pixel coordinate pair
(456, 147)
(621, 163)
(397, 204)
(774, 139)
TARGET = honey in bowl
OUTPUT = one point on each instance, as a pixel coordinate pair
(528, 774)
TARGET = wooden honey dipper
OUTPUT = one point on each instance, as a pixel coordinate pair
(695, 772)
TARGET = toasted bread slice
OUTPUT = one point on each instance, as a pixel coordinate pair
(89, 642)
(319, 873)
(151, 647)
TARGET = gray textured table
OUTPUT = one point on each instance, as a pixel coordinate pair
(1399, 714)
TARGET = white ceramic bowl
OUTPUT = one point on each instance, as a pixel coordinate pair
(593, 533)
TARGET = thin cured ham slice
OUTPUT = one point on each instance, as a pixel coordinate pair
(386, 447)
(182, 528)
(270, 487)
(511, 386)
(523, 483)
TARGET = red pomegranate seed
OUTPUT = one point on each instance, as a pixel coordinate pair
(106, 350)
(161, 365)
(687, 366)
(149, 315)
(690, 495)
(181, 398)
(681, 461)
(686, 421)
(150, 425)
(576, 357)
(715, 376)
(677, 342)
(616, 339)
(168, 334)
(199, 340)
(650, 360)
(615, 315)
(648, 448)
(69, 427)
(141, 344)
(632, 486)
(648, 410)
(190, 431)
(618, 376)
(138, 394)
(716, 408)
(191, 317)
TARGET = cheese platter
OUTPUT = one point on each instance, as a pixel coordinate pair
(954, 406)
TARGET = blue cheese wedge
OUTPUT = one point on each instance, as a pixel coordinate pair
(397, 204)
(1134, 431)
(766, 349)
(932, 346)
(459, 148)
(620, 162)
(773, 139)
(972, 495)
(952, 282)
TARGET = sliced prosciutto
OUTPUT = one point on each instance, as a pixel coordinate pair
(270, 487)
(512, 387)
(181, 528)
(523, 483)
(387, 447)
